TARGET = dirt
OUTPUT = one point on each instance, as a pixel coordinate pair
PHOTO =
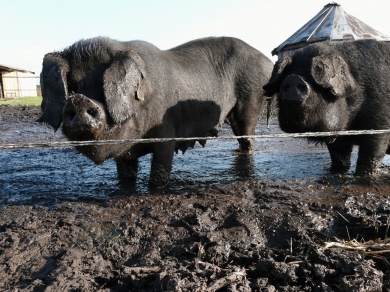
(322, 233)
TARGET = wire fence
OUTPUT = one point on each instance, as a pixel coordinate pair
(14, 93)
(61, 144)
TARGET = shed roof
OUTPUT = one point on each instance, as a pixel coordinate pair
(331, 23)
(12, 69)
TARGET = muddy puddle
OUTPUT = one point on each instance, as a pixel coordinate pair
(274, 221)
(53, 175)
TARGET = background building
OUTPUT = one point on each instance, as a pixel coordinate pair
(16, 83)
(332, 23)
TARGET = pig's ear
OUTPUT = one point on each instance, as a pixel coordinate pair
(277, 76)
(332, 72)
(54, 89)
(123, 82)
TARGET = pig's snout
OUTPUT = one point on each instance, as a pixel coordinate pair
(83, 117)
(294, 89)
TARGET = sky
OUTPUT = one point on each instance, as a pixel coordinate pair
(32, 28)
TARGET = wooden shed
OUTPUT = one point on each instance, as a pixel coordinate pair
(16, 82)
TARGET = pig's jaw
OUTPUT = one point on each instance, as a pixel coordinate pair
(100, 153)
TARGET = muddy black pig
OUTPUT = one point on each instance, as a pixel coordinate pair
(104, 89)
(337, 86)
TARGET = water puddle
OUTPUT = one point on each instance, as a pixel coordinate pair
(53, 175)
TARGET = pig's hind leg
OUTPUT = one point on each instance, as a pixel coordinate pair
(243, 119)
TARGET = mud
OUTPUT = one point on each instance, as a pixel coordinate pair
(277, 222)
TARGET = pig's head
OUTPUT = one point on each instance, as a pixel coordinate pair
(93, 97)
(314, 92)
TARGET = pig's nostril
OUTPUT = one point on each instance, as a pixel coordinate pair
(70, 115)
(93, 113)
(301, 87)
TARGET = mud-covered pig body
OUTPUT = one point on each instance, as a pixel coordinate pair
(103, 89)
(337, 86)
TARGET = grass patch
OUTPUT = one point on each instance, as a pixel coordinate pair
(28, 100)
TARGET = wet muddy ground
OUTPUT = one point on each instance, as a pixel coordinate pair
(277, 221)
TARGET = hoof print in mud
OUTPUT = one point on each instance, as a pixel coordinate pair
(204, 241)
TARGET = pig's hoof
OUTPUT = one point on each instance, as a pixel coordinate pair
(159, 180)
(246, 145)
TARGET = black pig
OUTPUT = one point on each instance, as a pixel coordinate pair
(106, 89)
(337, 86)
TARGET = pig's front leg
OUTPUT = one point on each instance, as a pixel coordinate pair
(127, 167)
(372, 150)
(340, 154)
(161, 164)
